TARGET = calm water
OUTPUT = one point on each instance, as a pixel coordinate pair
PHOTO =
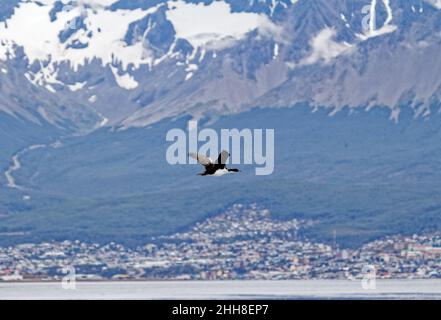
(309, 289)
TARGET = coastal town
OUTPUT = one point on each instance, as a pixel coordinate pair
(242, 243)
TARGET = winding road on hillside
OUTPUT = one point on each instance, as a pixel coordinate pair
(16, 163)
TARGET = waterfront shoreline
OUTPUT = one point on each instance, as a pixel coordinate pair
(225, 290)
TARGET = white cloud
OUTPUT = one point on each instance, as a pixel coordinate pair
(325, 48)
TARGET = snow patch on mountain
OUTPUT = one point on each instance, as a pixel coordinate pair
(82, 31)
(32, 29)
(387, 26)
(44, 77)
(80, 2)
(124, 80)
(215, 26)
(77, 86)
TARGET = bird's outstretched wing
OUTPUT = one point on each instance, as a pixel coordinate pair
(222, 159)
(201, 159)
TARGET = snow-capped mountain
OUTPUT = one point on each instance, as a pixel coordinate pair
(74, 73)
(92, 63)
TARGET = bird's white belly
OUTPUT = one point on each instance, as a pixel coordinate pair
(219, 173)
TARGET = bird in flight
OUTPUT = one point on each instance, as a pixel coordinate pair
(217, 168)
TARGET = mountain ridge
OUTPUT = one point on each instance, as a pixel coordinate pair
(354, 105)
(157, 65)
